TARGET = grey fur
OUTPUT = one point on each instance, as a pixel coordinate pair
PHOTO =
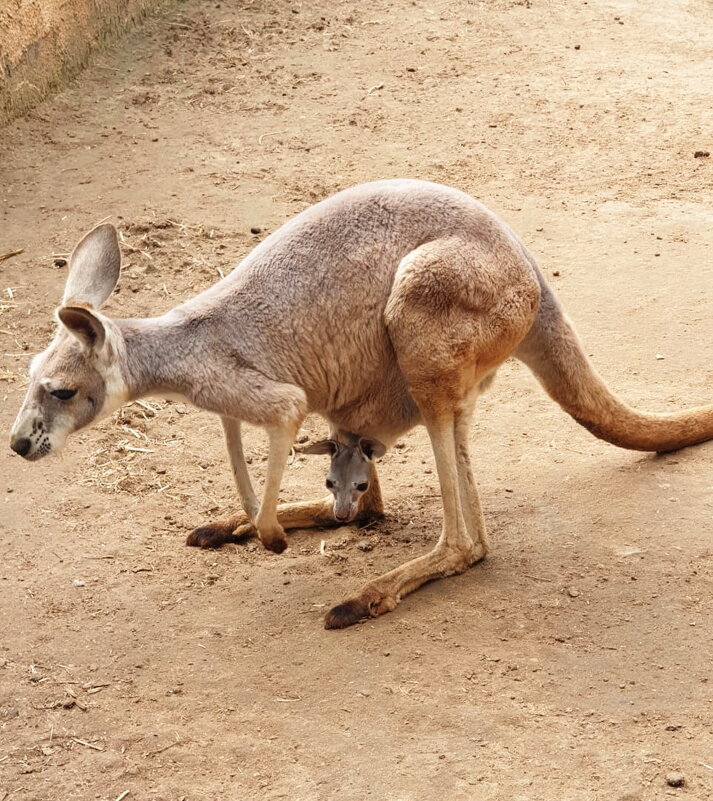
(387, 305)
(350, 469)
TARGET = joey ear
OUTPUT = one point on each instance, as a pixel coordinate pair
(94, 268)
(372, 448)
(85, 325)
(329, 446)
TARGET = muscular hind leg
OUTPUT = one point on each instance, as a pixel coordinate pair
(454, 552)
(457, 310)
(469, 498)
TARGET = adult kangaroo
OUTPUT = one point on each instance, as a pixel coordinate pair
(387, 305)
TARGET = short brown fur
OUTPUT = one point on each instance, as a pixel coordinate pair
(388, 305)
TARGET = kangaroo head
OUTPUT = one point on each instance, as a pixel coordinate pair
(349, 471)
(77, 379)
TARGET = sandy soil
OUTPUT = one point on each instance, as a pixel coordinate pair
(575, 663)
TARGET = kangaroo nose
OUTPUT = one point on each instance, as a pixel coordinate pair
(21, 446)
(342, 516)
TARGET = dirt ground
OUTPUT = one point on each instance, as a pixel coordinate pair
(574, 664)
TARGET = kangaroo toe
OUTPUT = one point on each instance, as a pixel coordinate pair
(213, 535)
(370, 603)
(273, 539)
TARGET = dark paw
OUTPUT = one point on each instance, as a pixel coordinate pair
(346, 614)
(371, 603)
(275, 545)
(211, 536)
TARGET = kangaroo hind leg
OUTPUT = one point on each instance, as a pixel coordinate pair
(457, 310)
(454, 552)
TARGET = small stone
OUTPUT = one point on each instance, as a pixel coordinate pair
(674, 779)
(573, 592)
(10, 489)
(302, 439)
(255, 230)
(79, 583)
(364, 545)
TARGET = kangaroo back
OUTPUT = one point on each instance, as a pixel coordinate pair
(553, 352)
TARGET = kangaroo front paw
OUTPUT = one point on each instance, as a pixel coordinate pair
(370, 603)
(273, 538)
(213, 535)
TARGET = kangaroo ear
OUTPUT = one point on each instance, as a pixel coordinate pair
(94, 268)
(329, 446)
(372, 448)
(85, 325)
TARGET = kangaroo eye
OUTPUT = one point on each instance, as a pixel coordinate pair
(363, 487)
(330, 484)
(64, 394)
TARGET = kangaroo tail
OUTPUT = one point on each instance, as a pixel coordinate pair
(555, 355)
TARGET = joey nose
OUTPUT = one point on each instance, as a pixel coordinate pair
(21, 445)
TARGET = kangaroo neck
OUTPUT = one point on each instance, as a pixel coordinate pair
(162, 357)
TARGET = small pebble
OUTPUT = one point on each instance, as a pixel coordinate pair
(675, 779)
(79, 583)
(255, 230)
(573, 592)
(364, 545)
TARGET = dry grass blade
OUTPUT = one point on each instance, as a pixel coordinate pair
(88, 744)
(165, 748)
(11, 253)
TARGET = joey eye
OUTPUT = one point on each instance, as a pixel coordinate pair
(330, 484)
(363, 487)
(64, 394)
